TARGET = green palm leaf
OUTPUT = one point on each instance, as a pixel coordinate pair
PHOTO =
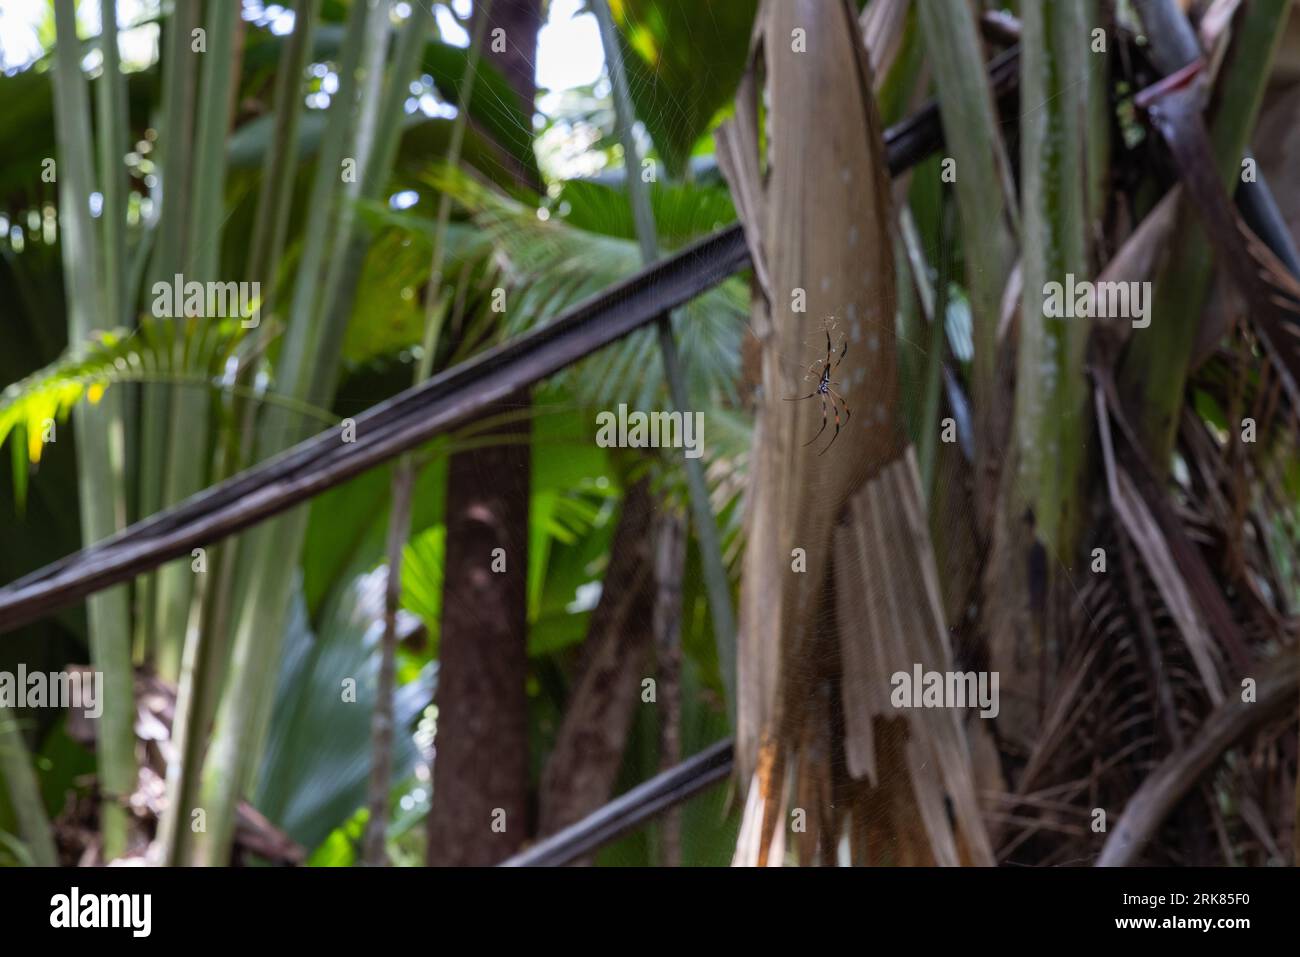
(158, 350)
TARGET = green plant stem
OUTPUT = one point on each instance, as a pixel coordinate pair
(99, 435)
(296, 356)
(25, 793)
(706, 529)
(175, 147)
(985, 195)
(934, 309)
(339, 282)
(1051, 420)
(433, 295)
(187, 463)
(182, 649)
(275, 195)
(326, 286)
(113, 125)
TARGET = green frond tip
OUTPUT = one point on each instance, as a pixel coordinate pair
(174, 352)
(32, 408)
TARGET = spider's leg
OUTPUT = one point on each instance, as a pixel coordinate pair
(796, 398)
(830, 350)
(843, 352)
(848, 414)
(823, 428)
(837, 428)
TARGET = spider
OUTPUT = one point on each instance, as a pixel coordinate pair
(826, 392)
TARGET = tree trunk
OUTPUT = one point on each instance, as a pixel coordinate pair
(584, 763)
(480, 767)
(520, 19)
(480, 773)
(514, 52)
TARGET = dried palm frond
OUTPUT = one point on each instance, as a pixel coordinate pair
(817, 741)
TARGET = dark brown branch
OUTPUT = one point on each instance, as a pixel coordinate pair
(630, 810)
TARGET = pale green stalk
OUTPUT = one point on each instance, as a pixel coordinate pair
(99, 433)
(187, 464)
(113, 126)
(207, 640)
(297, 357)
(706, 529)
(433, 311)
(275, 195)
(272, 548)
(25, 793)
(934, 309)
(179, 69)
(1051, 419)
(981, 177)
